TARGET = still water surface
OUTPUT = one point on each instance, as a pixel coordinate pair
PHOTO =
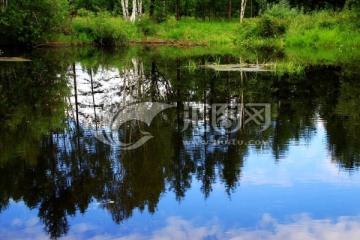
(297, 179)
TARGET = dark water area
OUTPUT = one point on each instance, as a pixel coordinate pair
(144, 145)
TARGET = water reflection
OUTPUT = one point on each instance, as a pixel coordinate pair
(51, 107)
(303, 226)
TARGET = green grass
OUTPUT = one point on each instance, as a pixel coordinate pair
(324, 30)
(271, 34)
(102, 29)
(191, 30)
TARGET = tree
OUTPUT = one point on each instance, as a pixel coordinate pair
(125, 8)
(349, 4)
(228, 10)
(28, 21)
(3, 4)
(203, 9)
(178, 10)
(152, 8)
(135, 11)
(242, 10)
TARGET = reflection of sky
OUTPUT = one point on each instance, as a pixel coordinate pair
(304, 163)
(303, 196)
(302, 227)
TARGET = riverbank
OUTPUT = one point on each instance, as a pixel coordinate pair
(319, 30)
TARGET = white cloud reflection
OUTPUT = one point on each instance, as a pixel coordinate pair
(300, 227)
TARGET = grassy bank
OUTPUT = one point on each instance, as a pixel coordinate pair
(317, 30)
(276, 29)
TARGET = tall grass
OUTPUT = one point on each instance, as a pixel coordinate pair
(324, 29)
(192, 30)
(102, 29)
(280, 27)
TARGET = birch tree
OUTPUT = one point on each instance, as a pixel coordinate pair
(242, 10)
(136, 9)
(125, 9)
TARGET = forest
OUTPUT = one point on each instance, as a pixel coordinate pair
(232, 23)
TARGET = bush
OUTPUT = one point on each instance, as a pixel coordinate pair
(84, 13)
(270, 26)
(27, 21)
(101, 30)
(324, 29)
(147, 26)
(281, 10)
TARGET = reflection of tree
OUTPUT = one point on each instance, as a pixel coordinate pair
(31, 102)
(61, 170)
(342, 121)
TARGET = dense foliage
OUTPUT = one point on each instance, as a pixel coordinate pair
(27, 21)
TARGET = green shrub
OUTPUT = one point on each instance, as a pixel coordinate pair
(101, 30)
(84, 13)
(270, 26)
(281, 10)
(249, 28)
(160, 13)
(28, 21)
(147, 26)
(324, 29)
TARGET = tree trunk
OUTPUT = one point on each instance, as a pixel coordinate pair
(152, 8)
(203, 10)
(125, 9)
(251, 8)
(139, 7)
(242, 11)
(76, 99)
(177, 10)
(229, 10)
(313, 4)
(214, 9)
(134, 11)
(164, 8)
(3, 4)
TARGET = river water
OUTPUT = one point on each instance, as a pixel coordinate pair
(141, 144)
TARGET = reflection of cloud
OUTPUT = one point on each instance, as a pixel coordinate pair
(262, 176)
(20, 231)
(178, 228)
(83, 227)
(300, 227)
(32, 229)
(16, 222)
(32, 222)
(303, 227)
